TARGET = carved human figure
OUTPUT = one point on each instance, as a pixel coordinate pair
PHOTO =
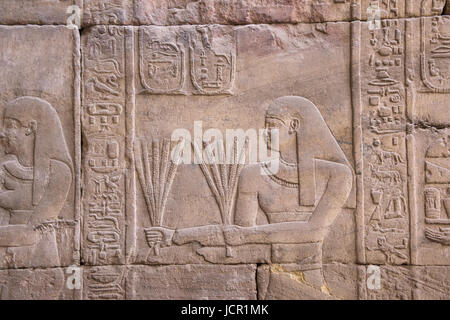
(35, 178)
(301, 200)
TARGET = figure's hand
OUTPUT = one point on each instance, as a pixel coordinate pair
(159, 236)
(438, 236)
(234, 235)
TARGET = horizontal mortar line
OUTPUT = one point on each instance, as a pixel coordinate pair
(218, 24)
(40, 268)
(337, 263)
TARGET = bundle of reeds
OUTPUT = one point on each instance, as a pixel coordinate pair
(156, 166)
(222, 176)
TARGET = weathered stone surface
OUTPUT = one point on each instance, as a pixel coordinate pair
(192, 282)
(115, 12)
(34, 284)
(39, 201)
(36, 11)
(406, 283)
(225, 150)
(169, 12)
(296, 282)
(197, 12)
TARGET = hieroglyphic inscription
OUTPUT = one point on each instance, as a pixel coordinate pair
(161, 61)
(212, 69)
(104, 283)
(436, 190)
(384, 107)
(103, 131)
(435, 53)
(167, 53)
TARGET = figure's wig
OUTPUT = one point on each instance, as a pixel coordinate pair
(50, 143)
(314, 141)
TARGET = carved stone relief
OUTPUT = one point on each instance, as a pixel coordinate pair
(226, 150)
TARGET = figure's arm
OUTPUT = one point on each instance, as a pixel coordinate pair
(55, 194)
(212, 235)
(338, 188)
(49, 207)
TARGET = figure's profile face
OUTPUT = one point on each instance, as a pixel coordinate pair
(13, 135)
(286, 137)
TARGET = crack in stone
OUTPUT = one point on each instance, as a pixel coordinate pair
(425, 124)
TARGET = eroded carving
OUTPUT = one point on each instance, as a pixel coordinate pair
(212, 67)
(437, 191)
(35, 180)
(435, 53)
(161, 63)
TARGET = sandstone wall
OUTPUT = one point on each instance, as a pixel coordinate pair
(101, 199)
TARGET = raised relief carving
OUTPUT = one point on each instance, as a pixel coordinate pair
(437, 191)
(222, 178)
(105, 283)
(104, 131)
(156, 166)
(161, 62)
(435, 47)
(104, 116)
(104, 76)
(103, 153)
(385, 178)
(105, 12)
(35, 178)
(301, 200)
(385, 90)
(212, 62)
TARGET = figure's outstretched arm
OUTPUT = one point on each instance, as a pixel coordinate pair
(339, 184)
(48, 208)
(212, 235)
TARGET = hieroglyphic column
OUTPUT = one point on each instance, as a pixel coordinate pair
(106, 120)
(379, 84)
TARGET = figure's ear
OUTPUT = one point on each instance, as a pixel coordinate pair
(31, 128)
(295, 124)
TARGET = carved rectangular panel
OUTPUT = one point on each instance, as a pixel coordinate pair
(106, 104)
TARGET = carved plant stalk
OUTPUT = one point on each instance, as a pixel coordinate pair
(222, 177)
(156, 171)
